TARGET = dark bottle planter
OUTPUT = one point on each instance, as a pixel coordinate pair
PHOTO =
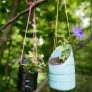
(27, 81)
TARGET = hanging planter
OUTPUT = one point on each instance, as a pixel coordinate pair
(27, 80)
(62, 74)
(28, 72)
(29, 63)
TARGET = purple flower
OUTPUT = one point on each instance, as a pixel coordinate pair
(78, 32)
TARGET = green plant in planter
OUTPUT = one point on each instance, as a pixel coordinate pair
(65, 54)
(33, 62)
(79, 35)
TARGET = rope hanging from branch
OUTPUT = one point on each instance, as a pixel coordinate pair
(56, 27)
(24, 40)
(67, 22)
(67, 19)
(34, 39)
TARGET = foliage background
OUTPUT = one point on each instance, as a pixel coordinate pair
(79, 12)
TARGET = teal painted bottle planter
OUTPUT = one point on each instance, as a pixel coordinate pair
(62, 76)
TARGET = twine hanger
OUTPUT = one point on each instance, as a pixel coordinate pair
(67, 19)
(34, 39)
(34, 32)
(56, 27)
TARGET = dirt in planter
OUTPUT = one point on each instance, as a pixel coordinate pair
(56, 61)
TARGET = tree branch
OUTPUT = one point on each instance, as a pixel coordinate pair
(7, 27)
(41, 86)
(36, 4)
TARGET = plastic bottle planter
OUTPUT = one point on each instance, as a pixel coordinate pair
(27, 82)
(62, 76)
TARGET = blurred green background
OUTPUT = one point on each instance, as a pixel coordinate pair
(79, 12)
